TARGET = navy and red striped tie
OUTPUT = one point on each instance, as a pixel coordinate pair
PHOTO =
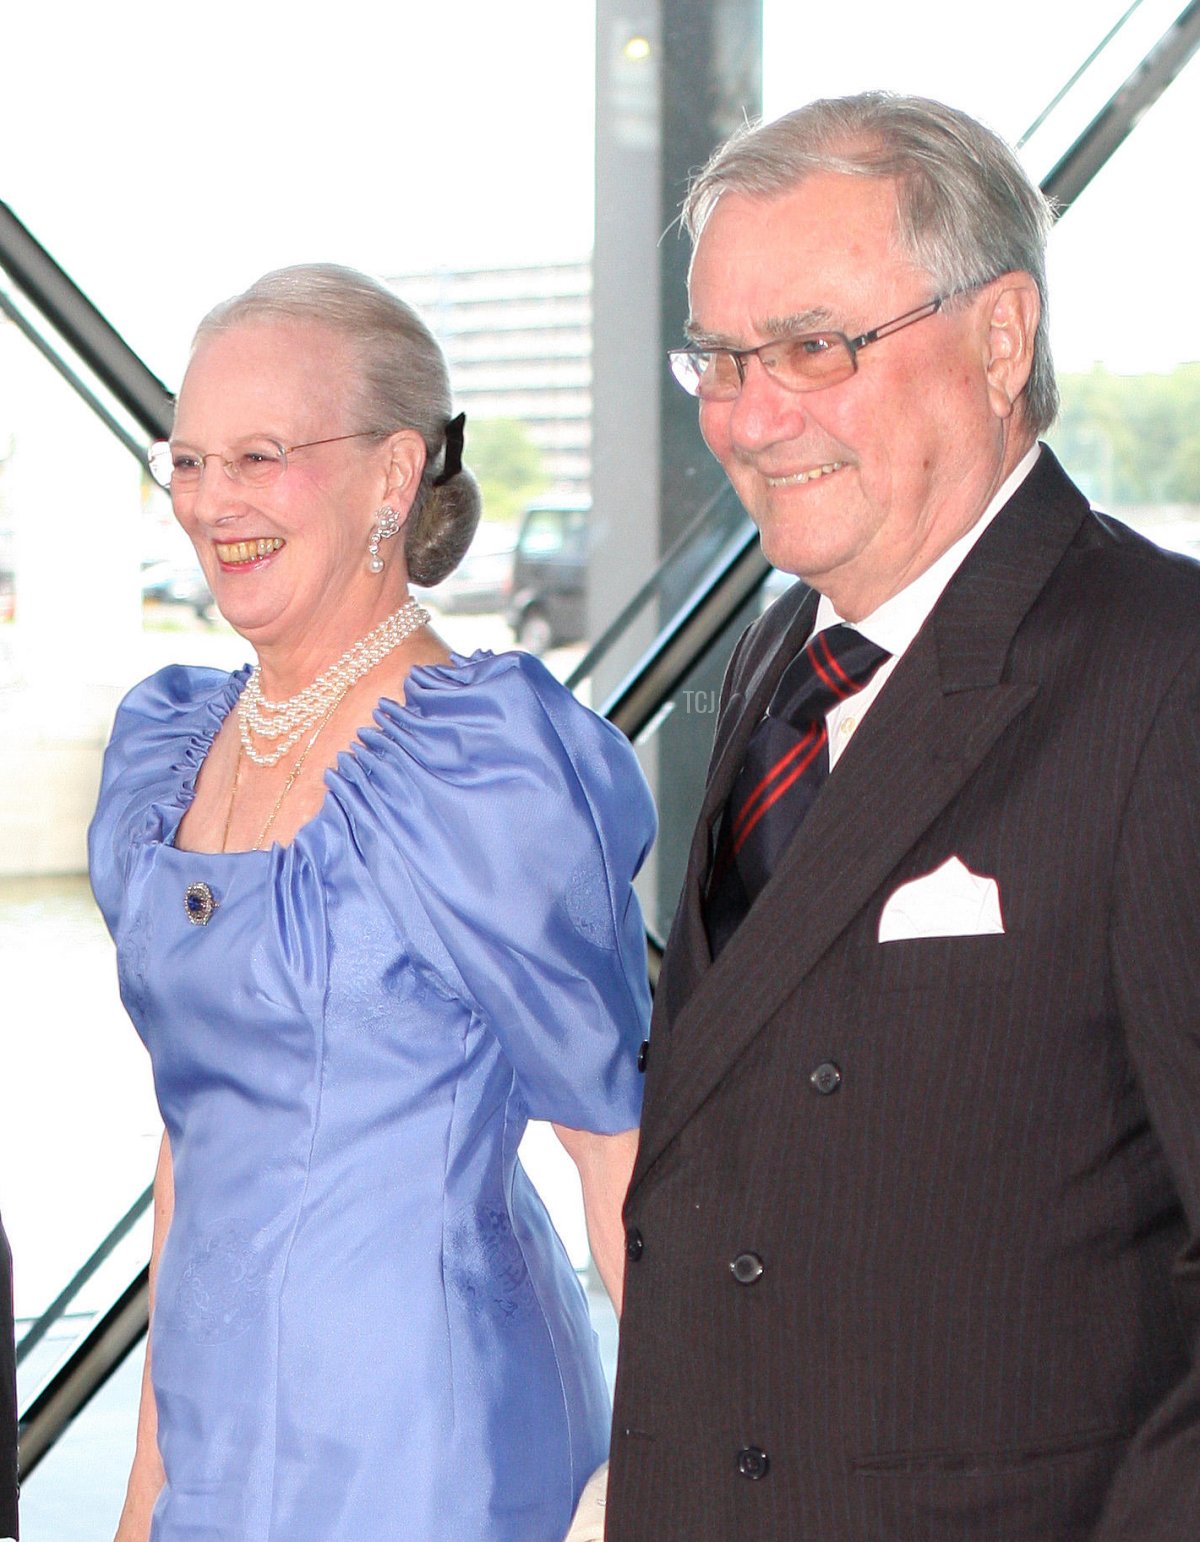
(787, 760)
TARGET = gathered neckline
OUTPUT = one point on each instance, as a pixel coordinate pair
(387, 714)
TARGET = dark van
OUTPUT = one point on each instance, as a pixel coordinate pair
(548, 606)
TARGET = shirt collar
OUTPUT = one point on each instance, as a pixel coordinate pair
(895, 623)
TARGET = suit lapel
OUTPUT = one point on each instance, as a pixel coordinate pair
(745, 710)
(939, 714)
(688, 953)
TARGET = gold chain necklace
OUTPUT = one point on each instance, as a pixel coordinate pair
(287, 786)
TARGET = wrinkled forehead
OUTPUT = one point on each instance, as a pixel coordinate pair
(826, 250)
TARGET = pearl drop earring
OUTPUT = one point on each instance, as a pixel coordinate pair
(387, 523)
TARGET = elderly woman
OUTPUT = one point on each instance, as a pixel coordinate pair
(373, 911)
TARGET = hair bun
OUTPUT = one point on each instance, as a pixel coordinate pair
(440, 530)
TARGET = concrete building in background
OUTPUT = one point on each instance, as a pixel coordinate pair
(519, 344)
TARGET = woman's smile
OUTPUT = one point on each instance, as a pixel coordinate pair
(236, 554)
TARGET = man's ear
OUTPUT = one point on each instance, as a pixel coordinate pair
(406, 464)
(1015, 308)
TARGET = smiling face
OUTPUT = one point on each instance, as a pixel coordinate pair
(287, 562)
(857, 487)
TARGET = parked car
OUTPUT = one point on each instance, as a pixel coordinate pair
(175, 583)
(482, 582)
(549, 578)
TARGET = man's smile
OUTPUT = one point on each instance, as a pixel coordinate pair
(797, 477)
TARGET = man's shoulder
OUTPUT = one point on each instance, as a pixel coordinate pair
(1133, 552)
(1119, 571)
(1117, 618)
(1099, 544)
(1058, 570)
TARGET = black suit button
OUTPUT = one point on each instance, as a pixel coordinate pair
(633, 1244)
(826, 1078)
(746, 1268)
(643, 1054)
(753, 1463)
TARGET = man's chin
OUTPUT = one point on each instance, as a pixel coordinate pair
(784, 550)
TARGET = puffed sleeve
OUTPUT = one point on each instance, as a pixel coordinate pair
(503, 823)
(161, 734)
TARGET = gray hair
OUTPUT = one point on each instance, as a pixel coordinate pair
(965, 209)
(401, 382)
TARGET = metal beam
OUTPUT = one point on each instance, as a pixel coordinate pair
(58, 1307)
(1113, 124)
(86, 1370)
(59, 364)
(83, 327)
(684, 642)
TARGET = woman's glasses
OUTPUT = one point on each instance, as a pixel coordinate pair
(252, 462)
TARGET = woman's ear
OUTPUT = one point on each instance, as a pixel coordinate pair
(1012, 327)
(405, 467)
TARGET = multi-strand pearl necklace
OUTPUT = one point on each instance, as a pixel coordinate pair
(284, 723)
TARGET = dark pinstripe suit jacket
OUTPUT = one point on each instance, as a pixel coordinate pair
(978, 1313)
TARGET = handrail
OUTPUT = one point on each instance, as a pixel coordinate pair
(78, 385)
(83, 327)
(1116, 120)
(1073, 80)
(84, 1372)
(38, 1330)
(687, 637)
(653, 587)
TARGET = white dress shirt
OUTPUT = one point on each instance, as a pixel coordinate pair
(898, 620)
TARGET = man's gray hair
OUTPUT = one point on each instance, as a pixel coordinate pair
(400, 381)
(966, 210)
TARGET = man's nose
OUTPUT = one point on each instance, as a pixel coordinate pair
(764, 412)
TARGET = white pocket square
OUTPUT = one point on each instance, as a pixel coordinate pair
(952, 901)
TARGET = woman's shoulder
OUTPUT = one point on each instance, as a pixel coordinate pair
(175, 693)
(500, 716)
(171, 716)
(165, 725)
(491, 741)
(161, 734)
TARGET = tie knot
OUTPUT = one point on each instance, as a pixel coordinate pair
(837, 663)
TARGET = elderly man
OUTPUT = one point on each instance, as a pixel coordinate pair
(913, 1237)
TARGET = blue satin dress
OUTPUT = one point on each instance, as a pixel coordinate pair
(365, 1327)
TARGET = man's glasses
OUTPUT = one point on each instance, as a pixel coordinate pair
(805, 361)
(253, 462)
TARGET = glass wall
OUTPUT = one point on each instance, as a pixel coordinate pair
(169, 157)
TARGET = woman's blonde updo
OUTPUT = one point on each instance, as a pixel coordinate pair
(402, 382)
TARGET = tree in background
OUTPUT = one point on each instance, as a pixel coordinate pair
(1132, 439)
(507, 464)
